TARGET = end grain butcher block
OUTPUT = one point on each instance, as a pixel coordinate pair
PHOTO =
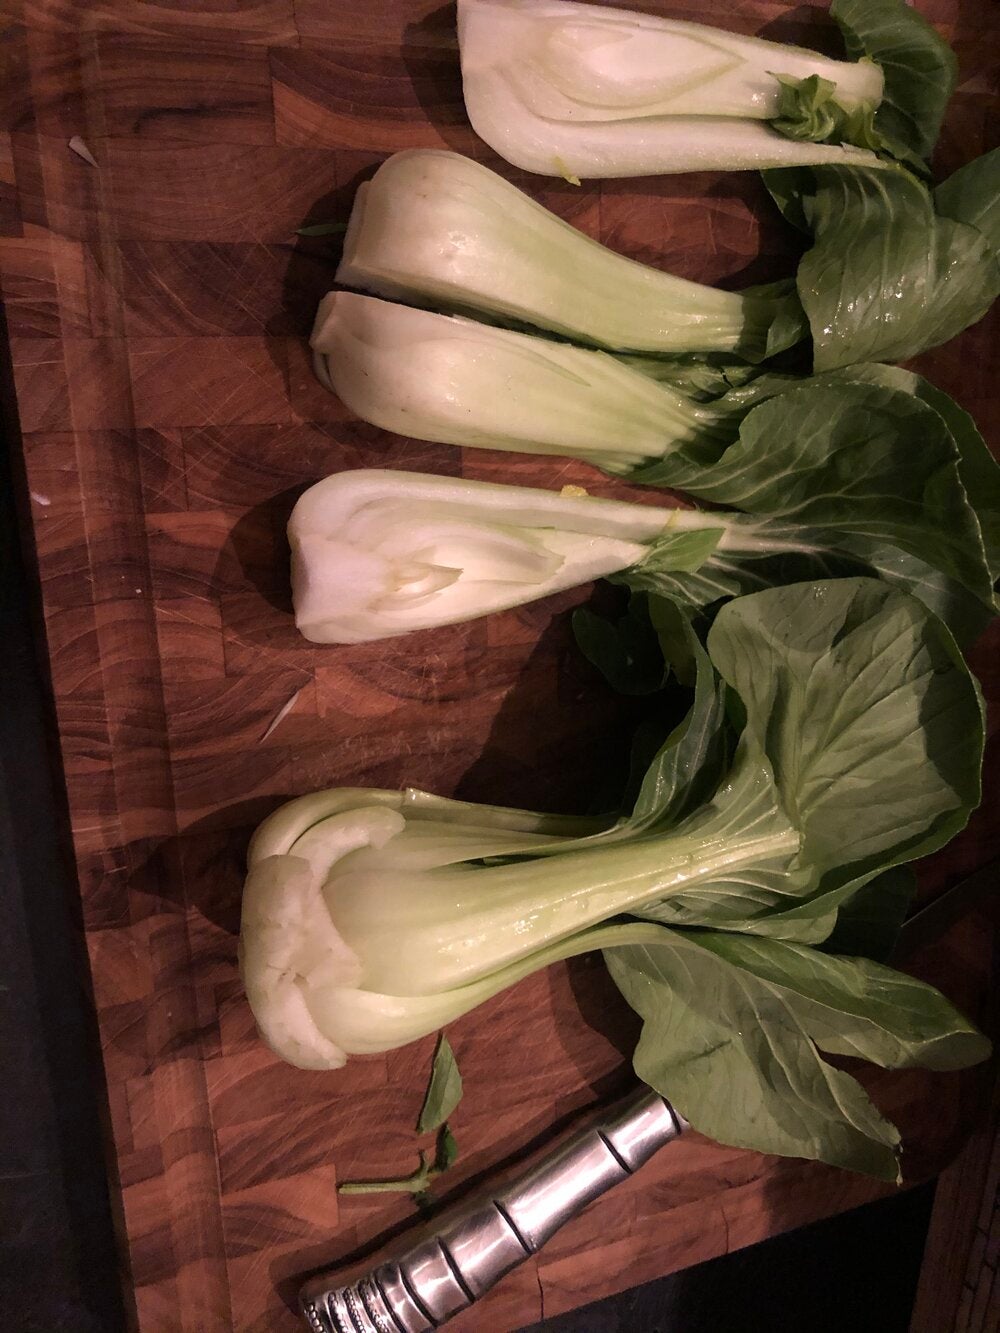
(157, 306)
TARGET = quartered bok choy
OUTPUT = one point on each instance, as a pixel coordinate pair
(458, 381)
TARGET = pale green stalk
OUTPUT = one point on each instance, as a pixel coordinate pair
(435, 228)
(369, 928)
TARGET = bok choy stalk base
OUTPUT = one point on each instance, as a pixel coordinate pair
(435, 228)
(371, 918)
(584, 91)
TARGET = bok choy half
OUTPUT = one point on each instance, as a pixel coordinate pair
(436, 229)
(459, 381)
(831, 478)
(894, 270)
(584, 90)
(372, 918)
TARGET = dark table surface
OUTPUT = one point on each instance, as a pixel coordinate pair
(60, 1267)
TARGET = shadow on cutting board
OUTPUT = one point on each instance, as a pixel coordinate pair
(857, 1271)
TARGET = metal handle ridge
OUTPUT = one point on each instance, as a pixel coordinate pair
(428, 1284)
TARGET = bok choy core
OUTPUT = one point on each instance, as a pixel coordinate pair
(436, 228)
(584, 91)
(371, 918)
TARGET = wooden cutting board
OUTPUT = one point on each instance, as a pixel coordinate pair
(157, 306)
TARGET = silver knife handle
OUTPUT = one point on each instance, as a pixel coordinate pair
(444, 1274)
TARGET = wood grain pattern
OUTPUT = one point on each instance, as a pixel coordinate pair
(156, 308)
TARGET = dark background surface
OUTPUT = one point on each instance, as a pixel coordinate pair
(60, 1267)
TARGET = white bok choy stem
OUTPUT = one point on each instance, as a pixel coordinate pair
(377, 553)
(456, 381)
(435, 228)
(585, 91)
(378, 922)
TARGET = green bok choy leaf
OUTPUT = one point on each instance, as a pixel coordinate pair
(919, 69)
(843, 472)
(768, 899)
(734, 1032)
(894, 269)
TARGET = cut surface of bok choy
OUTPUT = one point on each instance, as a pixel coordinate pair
(435, 228)
(585, 91)
(371, 918)
(457, 381)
